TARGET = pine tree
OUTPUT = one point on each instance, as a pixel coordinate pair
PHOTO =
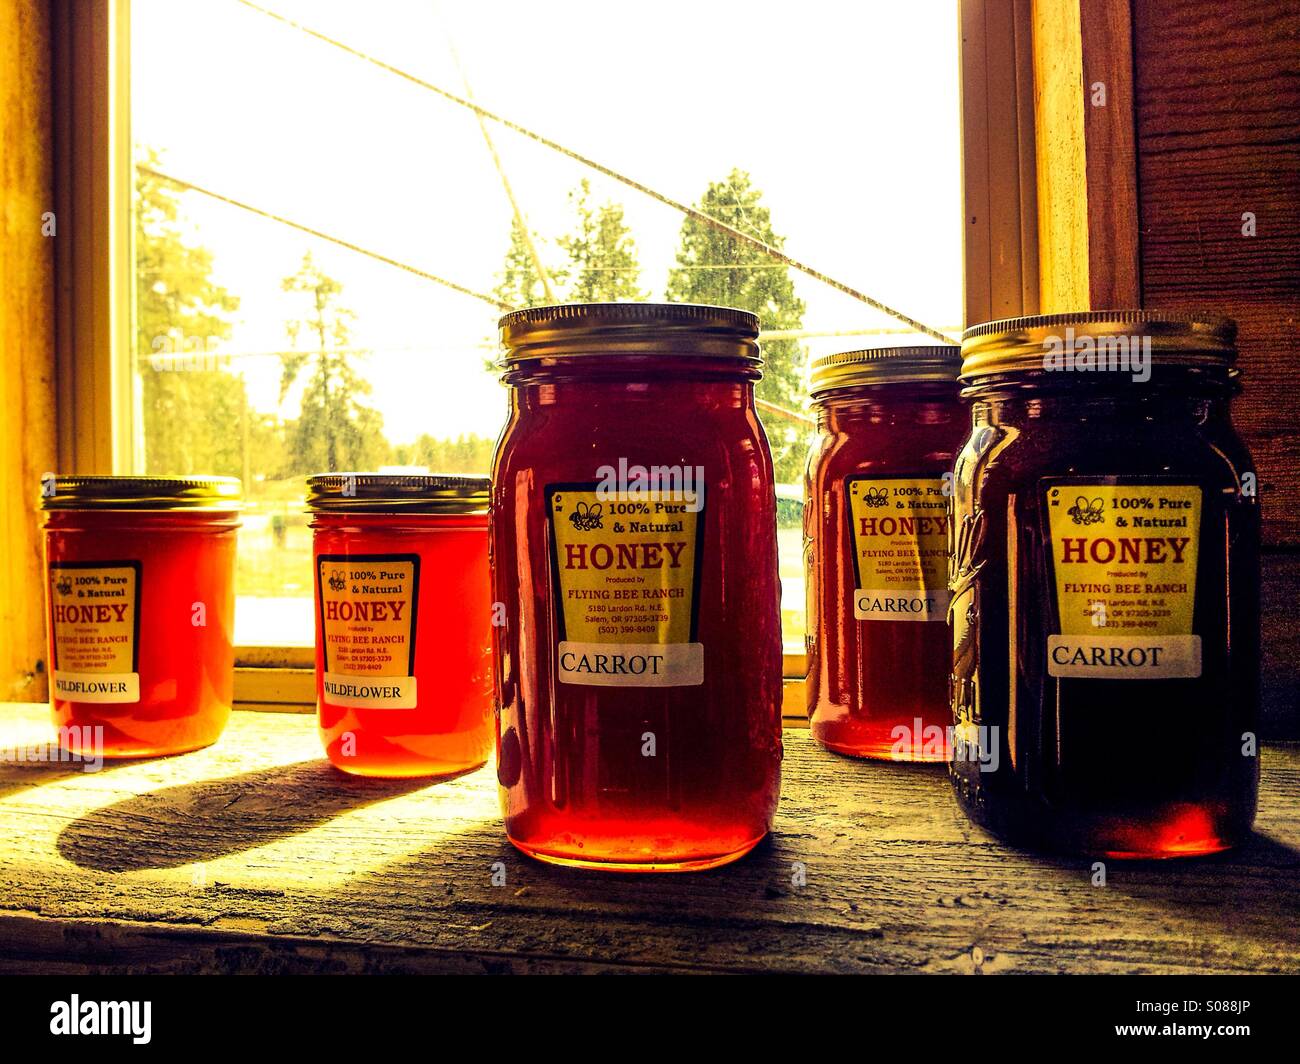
(602, 254)
(751, 281)
(334, 431)
(188, 403)
(521, 285)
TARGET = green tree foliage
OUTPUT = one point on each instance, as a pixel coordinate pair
(194, 412)
(751, 281)
(465, 454)
(602, 264)
(521, 285)
(599, 265)
(334, 430)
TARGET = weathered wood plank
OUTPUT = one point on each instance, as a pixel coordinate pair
(1106, 43)
(1280, 638)
(257, 856)
(1000, 233)
(1218, 138)
(27, 239)
(1062, 159)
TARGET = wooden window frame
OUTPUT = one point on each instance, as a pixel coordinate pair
(97, 415)
(93, 256)
(27, 384)
(97, 425)
(1052, 221)
(1000, 233)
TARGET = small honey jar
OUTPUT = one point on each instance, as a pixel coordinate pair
(403, 622)
(890, 421)
(140, 593)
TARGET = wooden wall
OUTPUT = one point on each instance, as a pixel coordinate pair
(1217, 122)
(27, 386)
(1218, 136)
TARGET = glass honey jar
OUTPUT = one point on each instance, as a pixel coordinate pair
(140, 596)
(634, 551)
(890, 421)
(1105, 586)
(403, 622)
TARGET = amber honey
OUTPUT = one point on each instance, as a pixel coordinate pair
(638, 670)
(890, 421)
(140, 599)
(403, 617)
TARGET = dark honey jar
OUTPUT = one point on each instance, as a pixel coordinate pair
(1105, 581)
(889, 424)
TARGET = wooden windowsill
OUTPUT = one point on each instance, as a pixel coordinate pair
(272, 689)
(255, 855)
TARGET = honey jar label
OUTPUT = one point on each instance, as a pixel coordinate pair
(1124, 564)
(626, 576)
(900, 548)
(367, 620)
(95, 621)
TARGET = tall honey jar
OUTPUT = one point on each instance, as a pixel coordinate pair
(1106, 586)
(638, 667)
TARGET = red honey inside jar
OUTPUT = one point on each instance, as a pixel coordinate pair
(403, 622)
(639, 665)
(890, 421)
(140, 611)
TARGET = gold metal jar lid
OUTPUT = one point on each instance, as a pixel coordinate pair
(1188, 339)
(426, 493)
(76, 492)
(676, 329)
(914, 363)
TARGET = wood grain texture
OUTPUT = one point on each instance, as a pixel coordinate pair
(1105, 37)
(977, 162)
(93, 266)
(1001, 225)
(256, 856)
(1218, 136)
(1064, 263)
(1026, 186)
(1280, 667)
(27, 442)
(1087, 174)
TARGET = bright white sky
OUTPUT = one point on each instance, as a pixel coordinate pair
(846, 115)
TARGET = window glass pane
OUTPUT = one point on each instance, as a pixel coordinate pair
(829, 131)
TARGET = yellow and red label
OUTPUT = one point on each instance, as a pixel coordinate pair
(627, 573)
(900, 548)
(95, 630)
(1124, 563)
(368, 617)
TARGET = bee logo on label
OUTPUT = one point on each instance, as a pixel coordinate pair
(586, 518)
(1085, 511)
